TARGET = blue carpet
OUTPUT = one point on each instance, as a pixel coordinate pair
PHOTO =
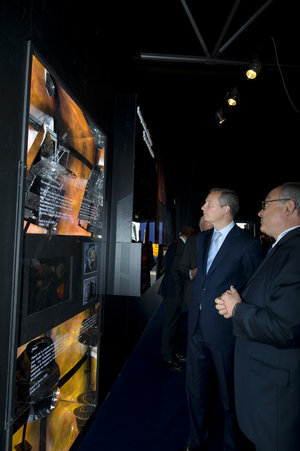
(146, 409)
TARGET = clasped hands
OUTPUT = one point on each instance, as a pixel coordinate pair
(227, 301)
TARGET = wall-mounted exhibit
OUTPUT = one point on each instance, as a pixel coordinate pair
(63, 265)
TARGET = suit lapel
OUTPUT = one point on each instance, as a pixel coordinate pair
(262, 264)
(271, 254)
(203, 250)
(224, 249)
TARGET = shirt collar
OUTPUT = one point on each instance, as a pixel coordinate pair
(284, 233)
(226, 229)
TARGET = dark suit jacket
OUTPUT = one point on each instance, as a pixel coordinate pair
(237, 259)
(267, 356)
(188, 261)
(172, 283)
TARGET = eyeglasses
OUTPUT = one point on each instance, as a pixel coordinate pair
(264, 202)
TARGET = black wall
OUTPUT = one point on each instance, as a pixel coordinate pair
(59, 35)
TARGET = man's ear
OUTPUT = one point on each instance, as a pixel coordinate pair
(227, 209)
(290, 207)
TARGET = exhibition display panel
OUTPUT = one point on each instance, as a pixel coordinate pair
(56, 389)
(63, 269)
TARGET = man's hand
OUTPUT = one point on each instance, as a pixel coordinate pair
(227, 301)
(193, 273)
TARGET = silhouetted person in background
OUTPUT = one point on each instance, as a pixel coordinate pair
(188, 262)
(188, 268)
(171, 289)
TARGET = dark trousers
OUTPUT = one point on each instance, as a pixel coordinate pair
(201, 360)
(171, 328)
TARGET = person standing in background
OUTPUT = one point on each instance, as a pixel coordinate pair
(171, 289)
(188, 269)
(188, 262)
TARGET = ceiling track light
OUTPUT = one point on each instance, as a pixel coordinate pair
(219, 116)
(253, 69)
(233, 97)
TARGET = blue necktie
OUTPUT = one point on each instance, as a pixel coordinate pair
(213, 249)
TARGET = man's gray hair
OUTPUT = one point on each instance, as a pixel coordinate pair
(230, 198)
(291, 190)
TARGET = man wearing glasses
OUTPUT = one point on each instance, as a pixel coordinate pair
(266, 323)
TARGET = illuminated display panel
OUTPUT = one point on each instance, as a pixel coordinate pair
(63, 203)
(62, 271)
(65, 162)
(56, 383)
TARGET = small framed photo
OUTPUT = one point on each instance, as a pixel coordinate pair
(90, 257)
(89, 290)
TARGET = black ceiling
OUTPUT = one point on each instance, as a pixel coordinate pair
(231, 30)
(181, 57)
(184, 56)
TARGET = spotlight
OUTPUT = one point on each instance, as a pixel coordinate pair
(233, 97)
(253, 69)
(219, 116)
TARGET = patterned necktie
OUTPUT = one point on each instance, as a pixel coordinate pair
(213, 249)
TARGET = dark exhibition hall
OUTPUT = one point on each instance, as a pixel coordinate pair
(117, 118)
(182, 58)
(190, 56)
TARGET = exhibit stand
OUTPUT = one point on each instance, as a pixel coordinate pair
(59, 251)
(72, 278)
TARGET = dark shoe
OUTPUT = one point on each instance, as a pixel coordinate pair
(173, 366)
(180, 357)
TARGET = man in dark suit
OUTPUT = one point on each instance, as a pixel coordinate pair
(210, 337)
(266, 322)
(171, 289)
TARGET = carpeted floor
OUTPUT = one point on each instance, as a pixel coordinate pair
(146, 409)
